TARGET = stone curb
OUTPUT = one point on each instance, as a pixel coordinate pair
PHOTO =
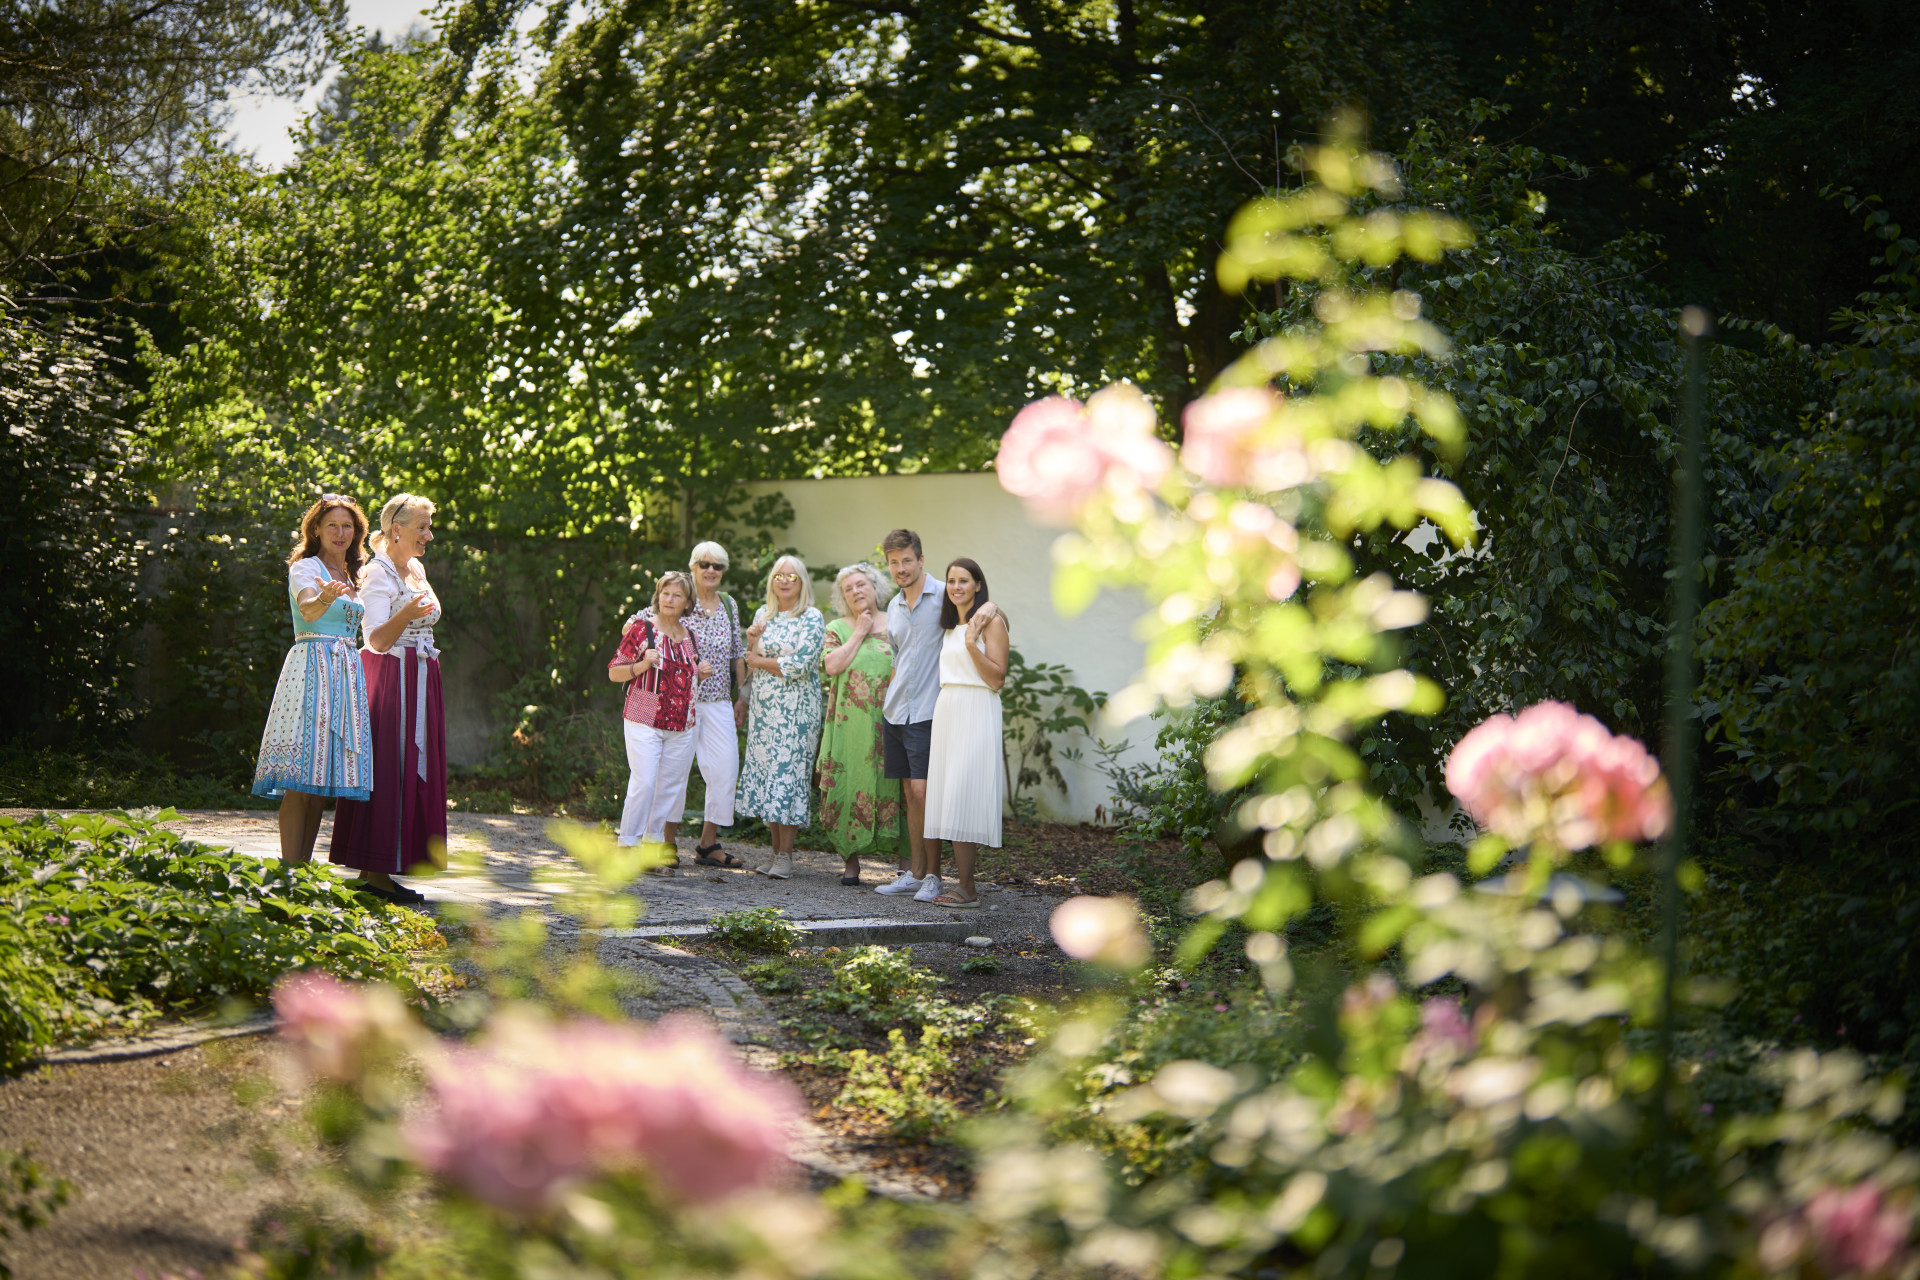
(171, 1040)
(828, 933)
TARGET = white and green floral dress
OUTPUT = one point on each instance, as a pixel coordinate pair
(783, 720)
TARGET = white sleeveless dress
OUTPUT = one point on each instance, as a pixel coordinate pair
(966, 768)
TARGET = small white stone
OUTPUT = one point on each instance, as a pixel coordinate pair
(979, 942)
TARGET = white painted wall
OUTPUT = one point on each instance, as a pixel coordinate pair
(838, 521)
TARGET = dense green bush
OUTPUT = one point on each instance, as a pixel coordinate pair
(1812, 657)
(1822, 956)
(1171, 798)
(112, 778)
(74, 539)
(110, 921)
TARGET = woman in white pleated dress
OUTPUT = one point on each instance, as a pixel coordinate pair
(966, 779)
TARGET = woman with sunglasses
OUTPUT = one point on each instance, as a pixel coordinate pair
(714, 620)
(783, 710)
(317, 742)
(404, 825)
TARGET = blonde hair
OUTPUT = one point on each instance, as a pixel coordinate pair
(806, 587)
(708, 551)
(675, 578)
(874, 579)
(399, 509)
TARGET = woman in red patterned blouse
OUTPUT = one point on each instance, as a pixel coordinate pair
(662, 660)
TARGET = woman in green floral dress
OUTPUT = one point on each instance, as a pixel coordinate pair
(859, 805)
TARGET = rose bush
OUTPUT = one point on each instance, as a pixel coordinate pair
(1479, 1092)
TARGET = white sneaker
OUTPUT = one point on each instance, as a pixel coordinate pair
(929, 889)
(906, 883)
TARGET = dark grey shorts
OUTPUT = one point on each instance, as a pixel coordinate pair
(906, 747)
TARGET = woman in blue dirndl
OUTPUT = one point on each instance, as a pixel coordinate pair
(318, 741)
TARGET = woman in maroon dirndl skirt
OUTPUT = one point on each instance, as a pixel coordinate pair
(404, 824)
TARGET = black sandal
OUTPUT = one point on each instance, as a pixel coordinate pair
(849, 880)
(703, 856)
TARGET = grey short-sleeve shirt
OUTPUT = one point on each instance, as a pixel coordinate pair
(916, 637)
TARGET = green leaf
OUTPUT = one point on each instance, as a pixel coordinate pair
(1485, 853)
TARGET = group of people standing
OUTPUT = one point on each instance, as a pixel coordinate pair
(889, 714)
(363, 723)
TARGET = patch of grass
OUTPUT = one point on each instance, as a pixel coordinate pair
(981, 964)
(880, 986)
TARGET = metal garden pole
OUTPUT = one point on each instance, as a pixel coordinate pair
(1690, 484)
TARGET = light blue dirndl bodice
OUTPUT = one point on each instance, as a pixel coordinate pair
(339, 628)
(341, 621)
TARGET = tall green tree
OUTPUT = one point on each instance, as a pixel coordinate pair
(98, 96)
(1565, 366)
(97, 99)
(1712, 127)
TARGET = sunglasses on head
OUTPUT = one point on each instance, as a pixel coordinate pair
(709, 564)
(337, 498)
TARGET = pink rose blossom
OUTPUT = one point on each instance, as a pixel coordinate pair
(1444, 1033)
(1855, 1231)
(326, 1021)
(1058, 454)
(1552, 773)
(1122, 421)
(507, 1135)
(1222, 433)
(1048, 457)
(518, 1123)
(1102, 930)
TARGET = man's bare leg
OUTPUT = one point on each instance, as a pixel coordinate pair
(926, 853)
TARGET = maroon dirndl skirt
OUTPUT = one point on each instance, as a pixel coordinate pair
(405, 823)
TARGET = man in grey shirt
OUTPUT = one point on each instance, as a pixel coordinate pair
(913, 625)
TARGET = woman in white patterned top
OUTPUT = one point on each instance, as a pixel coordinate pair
(405, 823)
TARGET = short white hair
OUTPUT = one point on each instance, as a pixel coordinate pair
(708, 551)
(882, 589)
(793, 564)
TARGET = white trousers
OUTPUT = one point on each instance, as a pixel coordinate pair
(657, 762)
(716, 745)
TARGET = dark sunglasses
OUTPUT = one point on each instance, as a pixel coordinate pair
(708, 564)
